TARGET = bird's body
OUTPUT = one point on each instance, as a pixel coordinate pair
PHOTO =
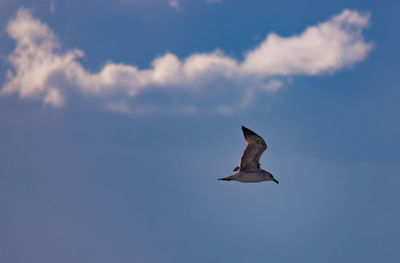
(248, 177)
(249, 170)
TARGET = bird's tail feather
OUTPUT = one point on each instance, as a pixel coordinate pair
(225, 178)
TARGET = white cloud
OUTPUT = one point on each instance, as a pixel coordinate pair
(326, 47)
(42, 70)
(53, 97)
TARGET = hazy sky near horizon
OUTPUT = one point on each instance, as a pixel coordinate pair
(117, 118)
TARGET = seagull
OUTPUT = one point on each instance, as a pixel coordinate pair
(249, 170)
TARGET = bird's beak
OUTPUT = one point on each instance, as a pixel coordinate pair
(276, 181)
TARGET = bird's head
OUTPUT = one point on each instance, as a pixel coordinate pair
(269, 177)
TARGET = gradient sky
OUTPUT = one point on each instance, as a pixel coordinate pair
(123, 167)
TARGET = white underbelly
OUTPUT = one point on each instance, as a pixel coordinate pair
(250, 178)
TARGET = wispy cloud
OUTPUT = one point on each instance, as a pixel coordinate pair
(174, 4)
(52, 6)
(43, 71)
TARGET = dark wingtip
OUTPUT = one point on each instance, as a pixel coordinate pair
(224, 179)
(248, 132)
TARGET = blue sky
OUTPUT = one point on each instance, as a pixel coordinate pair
(118, 117)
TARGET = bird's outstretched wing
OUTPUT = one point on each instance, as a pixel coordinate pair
(256, 145)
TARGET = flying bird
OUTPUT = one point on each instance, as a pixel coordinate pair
(249, 170)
